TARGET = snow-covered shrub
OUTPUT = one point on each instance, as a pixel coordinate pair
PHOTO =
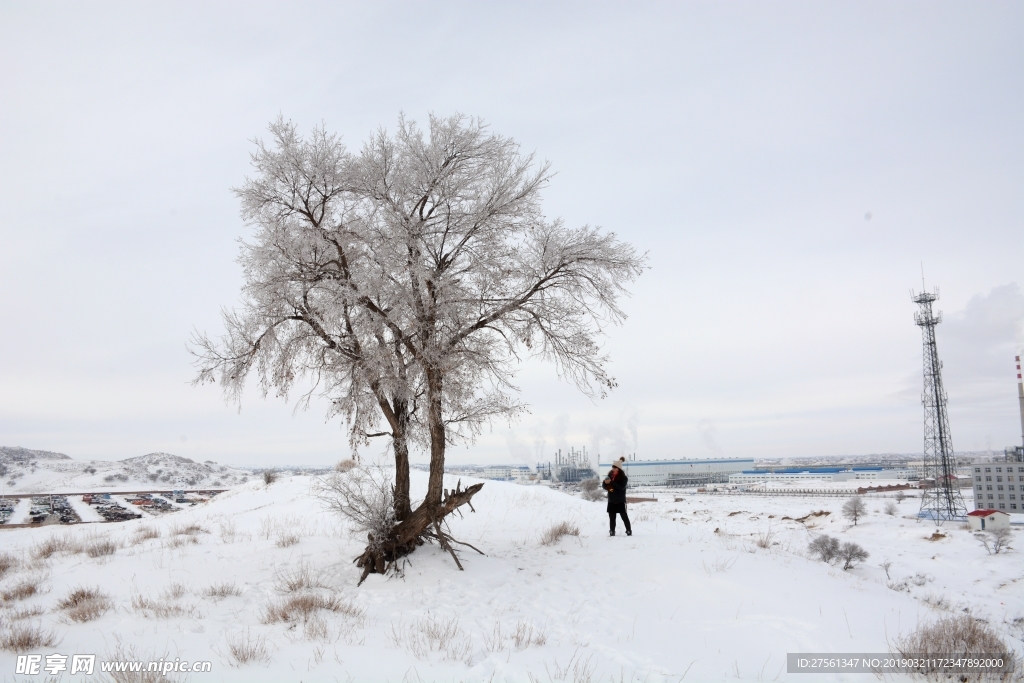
(891, 509)
(345, 465)
(555, 533)
(824, 547)
(851, 554)
(269, 477)
(365, 497)
(593, 495)
(960, 636)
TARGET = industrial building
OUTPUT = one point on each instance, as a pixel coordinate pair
(796, 474)
(680, 472)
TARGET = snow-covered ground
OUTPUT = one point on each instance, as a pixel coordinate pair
(691, 596)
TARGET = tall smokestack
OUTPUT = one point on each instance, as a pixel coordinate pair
(1020, 395)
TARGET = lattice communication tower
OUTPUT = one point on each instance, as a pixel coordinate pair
(942, 500)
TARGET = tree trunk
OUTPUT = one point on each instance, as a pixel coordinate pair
(396, 412)
(403, 508)
(422, 524)
(435, 421)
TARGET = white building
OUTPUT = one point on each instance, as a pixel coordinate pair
(678, 472)
(507, 472)
(988, 520)
(998, 485)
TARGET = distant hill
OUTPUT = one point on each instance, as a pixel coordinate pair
(12, 454)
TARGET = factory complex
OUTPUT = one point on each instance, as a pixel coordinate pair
(797, 474)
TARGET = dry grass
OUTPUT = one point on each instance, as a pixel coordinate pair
(163, 609)
(85, 604)
(556, 532)
(20, 613)
(181, 541)
(7, 563)
(939, 602)
(188, 530)
(100, 547)
(54, 545)
(959, 636)
(315, 628)
(300, 578)
(430, 633)
(286, 540)
(175, 591)
(122, 653)
(719, 566)
(523, 636)
(26, 637)
(25, 588)
(245, 648)
(345, 465)
(145, 533)
(228, 531)
(765, 540)
(304, 606)
(222, 590)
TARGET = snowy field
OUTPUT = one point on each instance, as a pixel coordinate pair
(709, 588)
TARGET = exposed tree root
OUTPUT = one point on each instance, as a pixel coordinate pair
(423, 524)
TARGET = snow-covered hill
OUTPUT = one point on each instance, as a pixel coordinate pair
(26, 471)
(708, 588)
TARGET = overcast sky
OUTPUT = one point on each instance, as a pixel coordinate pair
(788, 167)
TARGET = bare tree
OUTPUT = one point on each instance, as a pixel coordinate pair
(854, 509)
(851, 554)
(887, 565)
(900, 496)
(825, 547)
(995, 541)
(891, 509)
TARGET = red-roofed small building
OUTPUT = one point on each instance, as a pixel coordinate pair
(988, 520)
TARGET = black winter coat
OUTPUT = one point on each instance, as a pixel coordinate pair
(617, 487)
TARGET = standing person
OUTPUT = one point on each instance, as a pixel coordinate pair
(615, 484)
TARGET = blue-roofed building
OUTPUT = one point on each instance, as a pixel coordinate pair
(798, 474)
